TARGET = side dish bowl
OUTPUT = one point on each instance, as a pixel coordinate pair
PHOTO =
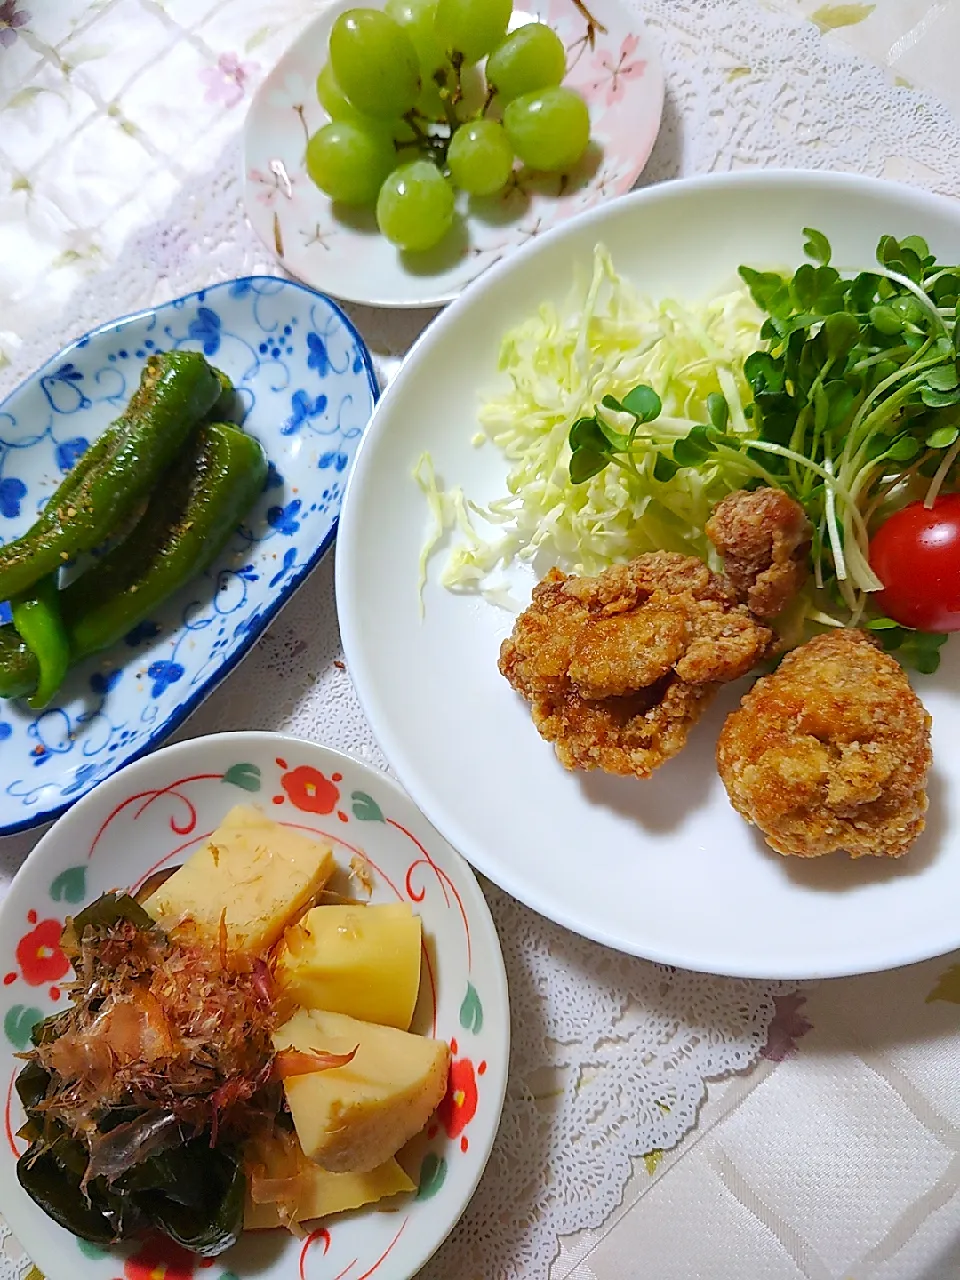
(306, 386)
(155, 814)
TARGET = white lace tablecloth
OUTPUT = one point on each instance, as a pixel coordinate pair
(823, 1131)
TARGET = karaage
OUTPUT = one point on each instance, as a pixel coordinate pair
(764, 538)
(618, 667)
(830, 752)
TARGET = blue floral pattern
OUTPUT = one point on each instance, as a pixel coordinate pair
(163, 674)
(63, 389)
(12, 493)
(284, 519)
(69, 452)
(307, 386)
(303, 411)
(205, 329)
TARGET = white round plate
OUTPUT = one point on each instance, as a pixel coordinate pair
(158, 811)
(663, 868)
(619, 75)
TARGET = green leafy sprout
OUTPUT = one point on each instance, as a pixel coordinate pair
(855, 412)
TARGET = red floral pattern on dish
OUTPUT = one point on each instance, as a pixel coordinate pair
(310, 790)
(160, 1259)
(459, 1104)
(39, 955)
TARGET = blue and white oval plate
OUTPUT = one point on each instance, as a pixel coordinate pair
(307, 387)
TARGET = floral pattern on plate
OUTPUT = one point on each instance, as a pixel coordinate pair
(610, 60)
(156, 814)
(307, 388)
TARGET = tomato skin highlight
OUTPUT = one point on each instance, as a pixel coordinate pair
(916, 555)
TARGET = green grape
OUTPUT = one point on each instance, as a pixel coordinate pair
(415, 206)
(418, 19)
(374, 63)
(333, 100)
(473, 94)
(430, 103)
(532, 58)
(480, 157)
(472, 28)
(401, 131)
(548, 130)
(349, 162)
(407, 154)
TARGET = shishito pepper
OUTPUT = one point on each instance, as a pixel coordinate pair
(185, 527)
(96, 499)
(38, 619)
(19, 669)
(228, 407)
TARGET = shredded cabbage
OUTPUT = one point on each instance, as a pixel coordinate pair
(606, 339)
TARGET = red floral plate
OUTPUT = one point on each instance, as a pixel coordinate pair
(158, 811)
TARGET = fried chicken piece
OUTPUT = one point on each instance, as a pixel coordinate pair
(617, 668)
(830, 752)
(764, 537)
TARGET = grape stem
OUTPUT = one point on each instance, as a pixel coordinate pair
(303, 122)
(413, 119)
(593, 26)
(436, 145)
(456, 61)
(433, 145)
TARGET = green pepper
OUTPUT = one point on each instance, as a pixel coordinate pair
(185, 527)
(38, 620)
(41, 657)
(228, 407)
(91, 459)
(19, 670)
(176, 391)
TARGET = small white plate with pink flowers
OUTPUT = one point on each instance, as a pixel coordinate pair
(611, 62)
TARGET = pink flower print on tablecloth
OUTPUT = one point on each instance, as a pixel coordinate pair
(11, 18)
(786, 1028)
(227, 81)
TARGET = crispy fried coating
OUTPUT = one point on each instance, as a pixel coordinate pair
(617, 668)
(764, 538)
(831, 752)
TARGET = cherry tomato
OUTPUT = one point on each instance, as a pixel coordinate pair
(916, 555)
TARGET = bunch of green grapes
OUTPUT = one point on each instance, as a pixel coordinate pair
(402, 134)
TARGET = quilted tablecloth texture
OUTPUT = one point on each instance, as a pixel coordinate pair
(822, 1125)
